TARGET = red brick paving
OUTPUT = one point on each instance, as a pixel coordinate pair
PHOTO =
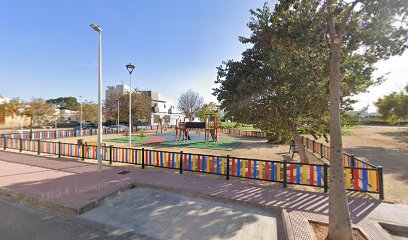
(76, 184)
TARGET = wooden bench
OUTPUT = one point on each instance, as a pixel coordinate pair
(94, 144)
(293, 148)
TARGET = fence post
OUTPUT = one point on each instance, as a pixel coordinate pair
(284, 174)
(313, 146)
(55, 134)
(352, 160)
(143, 158)
(181, 162)
(110, 154)
(59, 149)
(228, 167)
(321, 150)
(38, 147)
(83, 151)
(325, 177)
(352, 164)
(381, 187)
(21, 144)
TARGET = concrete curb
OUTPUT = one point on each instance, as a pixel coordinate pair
(62, 208)
(29, 199)
(103, 199)
(208, 197)
(287, 225)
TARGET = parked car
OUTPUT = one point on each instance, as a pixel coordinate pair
(122, 128)
(87, 126)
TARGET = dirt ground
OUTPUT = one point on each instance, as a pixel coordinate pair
(256, 148)
(386, 147)
(382, 146)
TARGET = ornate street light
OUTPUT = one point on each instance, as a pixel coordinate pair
(130, 69)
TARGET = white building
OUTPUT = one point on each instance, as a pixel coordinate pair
(69, 115)
(4, 100)
(118, 89)
(162, 107)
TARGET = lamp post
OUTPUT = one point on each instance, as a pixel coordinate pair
(80, 114)
(117, 123)
(130, 69)
(99, 151)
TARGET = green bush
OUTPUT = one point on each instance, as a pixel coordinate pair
(273, 138)
(347, 133)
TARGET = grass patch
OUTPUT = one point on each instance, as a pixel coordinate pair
(135, 139)
(241, 127)
(248, 128)
(220, 145)
(347, 133)
(228, 124)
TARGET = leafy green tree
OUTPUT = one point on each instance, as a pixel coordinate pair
(12, 108)
(141, 107)
(339, 43)
(394, 107)
(279, 84)
(89, 112)
(209, 108)
(190, 103)
(38, 110)
(364, 32)
(69, 103)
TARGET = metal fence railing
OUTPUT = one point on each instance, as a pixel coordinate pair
(244, 133)
(323, 151)
(360, 179)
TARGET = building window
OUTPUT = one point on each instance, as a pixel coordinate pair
(164, 105)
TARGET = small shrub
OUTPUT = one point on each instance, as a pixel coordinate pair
(347, 133)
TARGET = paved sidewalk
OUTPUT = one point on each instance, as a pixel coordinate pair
(77, 187)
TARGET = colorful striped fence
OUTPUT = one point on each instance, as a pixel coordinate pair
(244, 133)
(324, 152)
(358, 178)
(56, 134)
(39, 135)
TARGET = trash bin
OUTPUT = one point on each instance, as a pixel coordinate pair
(80, 141)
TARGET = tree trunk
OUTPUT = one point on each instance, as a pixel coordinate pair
(339, 216)
(299, 144)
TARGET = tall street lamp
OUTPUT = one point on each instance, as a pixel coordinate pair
(130, 69)
(80, 119)
(117, 123)
(99, 152)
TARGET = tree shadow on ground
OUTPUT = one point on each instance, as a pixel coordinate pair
(151, 217)
(401, 136)
(164, 215)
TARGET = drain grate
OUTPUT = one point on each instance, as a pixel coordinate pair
(124, 172)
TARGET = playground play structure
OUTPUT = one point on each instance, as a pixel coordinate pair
(210, 126)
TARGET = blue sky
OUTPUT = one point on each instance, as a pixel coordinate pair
(48, 50)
